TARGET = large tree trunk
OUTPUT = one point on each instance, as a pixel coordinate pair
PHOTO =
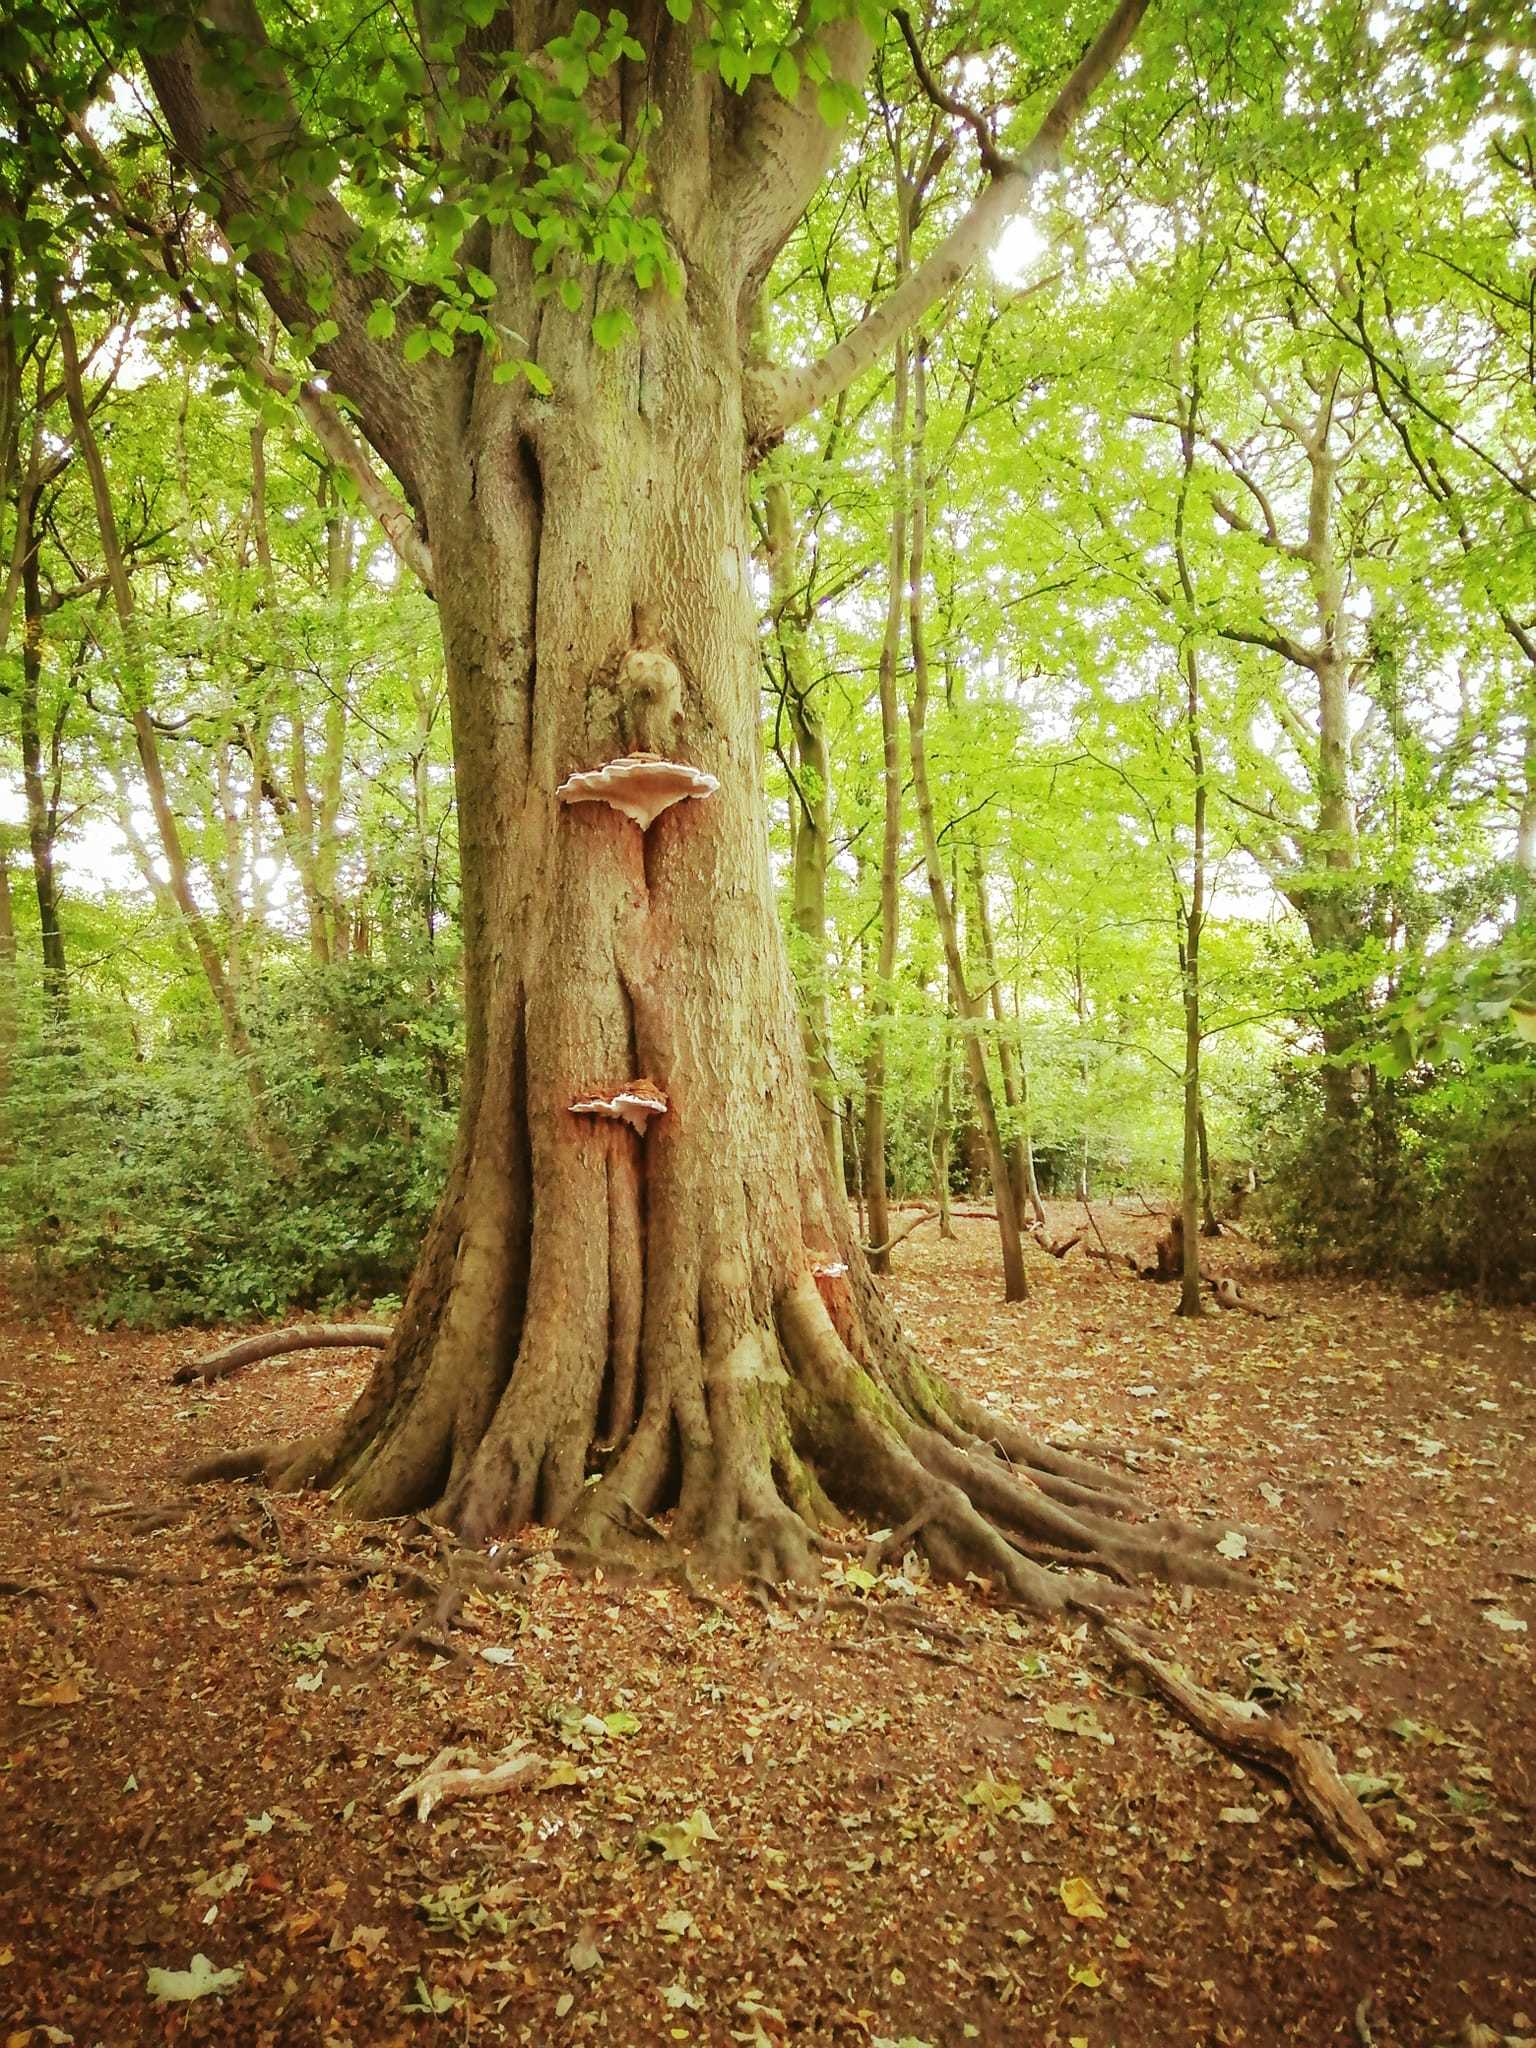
(644, 1312)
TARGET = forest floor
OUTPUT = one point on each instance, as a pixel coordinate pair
(765, 1826)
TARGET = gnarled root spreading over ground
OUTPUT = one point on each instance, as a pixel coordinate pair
(752, 1446)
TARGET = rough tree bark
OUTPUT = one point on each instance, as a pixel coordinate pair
(606, 1325)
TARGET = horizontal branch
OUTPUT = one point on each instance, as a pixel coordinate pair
(1274, 642)
(218, 1365)
(778, 398)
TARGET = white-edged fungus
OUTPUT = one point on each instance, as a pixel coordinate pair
(635, 1102)
(642, 786)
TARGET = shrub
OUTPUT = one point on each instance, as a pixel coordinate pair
(141, 1195)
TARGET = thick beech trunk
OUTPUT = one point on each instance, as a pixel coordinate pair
(642, 1312)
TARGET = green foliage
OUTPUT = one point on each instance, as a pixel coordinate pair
(144, 1198)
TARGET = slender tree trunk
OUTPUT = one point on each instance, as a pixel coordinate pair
(146, 740)
(879, 1000)
(1190, 1301)
(229, 883)
(340, 542)
(10, 1008)
(1210, 1223)
(1015, 1284)
(944, 1125)
(1021, 1165)
(42, 815)
(1525, 836)
(291, 811)
(812, 807)
(1080, 1004)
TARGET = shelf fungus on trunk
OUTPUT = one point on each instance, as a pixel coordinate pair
(642, 786)
(634, 1102)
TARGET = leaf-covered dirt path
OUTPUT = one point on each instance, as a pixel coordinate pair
(910, 1817)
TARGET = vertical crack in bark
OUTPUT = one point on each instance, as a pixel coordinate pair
(626, 1281)
(533, 478)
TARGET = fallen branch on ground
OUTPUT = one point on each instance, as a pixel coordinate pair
(1058, 1248)
(218, 1365)
(1302, 1763)
(923, 1216)
(1123, 1259)
(441, 1781)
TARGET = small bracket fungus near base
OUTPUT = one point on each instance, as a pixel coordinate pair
(642, 786)
(633, 1102)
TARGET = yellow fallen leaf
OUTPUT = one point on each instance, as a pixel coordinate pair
(1085, 1973)
(563, 1772)
(1081, 1900)
(65, 1694)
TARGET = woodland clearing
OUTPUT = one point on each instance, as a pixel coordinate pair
(904, 1816)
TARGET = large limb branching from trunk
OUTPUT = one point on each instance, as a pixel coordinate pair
(250, 162)
(778, 398)
(159, 247)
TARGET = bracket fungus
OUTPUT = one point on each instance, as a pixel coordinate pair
(642, 786)
(634, 1102)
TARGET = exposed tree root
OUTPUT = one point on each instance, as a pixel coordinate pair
(218, 1365)
(746, 1440)
(1302, 1763)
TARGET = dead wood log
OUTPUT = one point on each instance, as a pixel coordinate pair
(218, 1365)
(1122, 1259)
(1301, 1762)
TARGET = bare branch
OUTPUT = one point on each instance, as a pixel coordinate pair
(992, 159)
(778, 398)
(1275, 641)
(344, 449)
